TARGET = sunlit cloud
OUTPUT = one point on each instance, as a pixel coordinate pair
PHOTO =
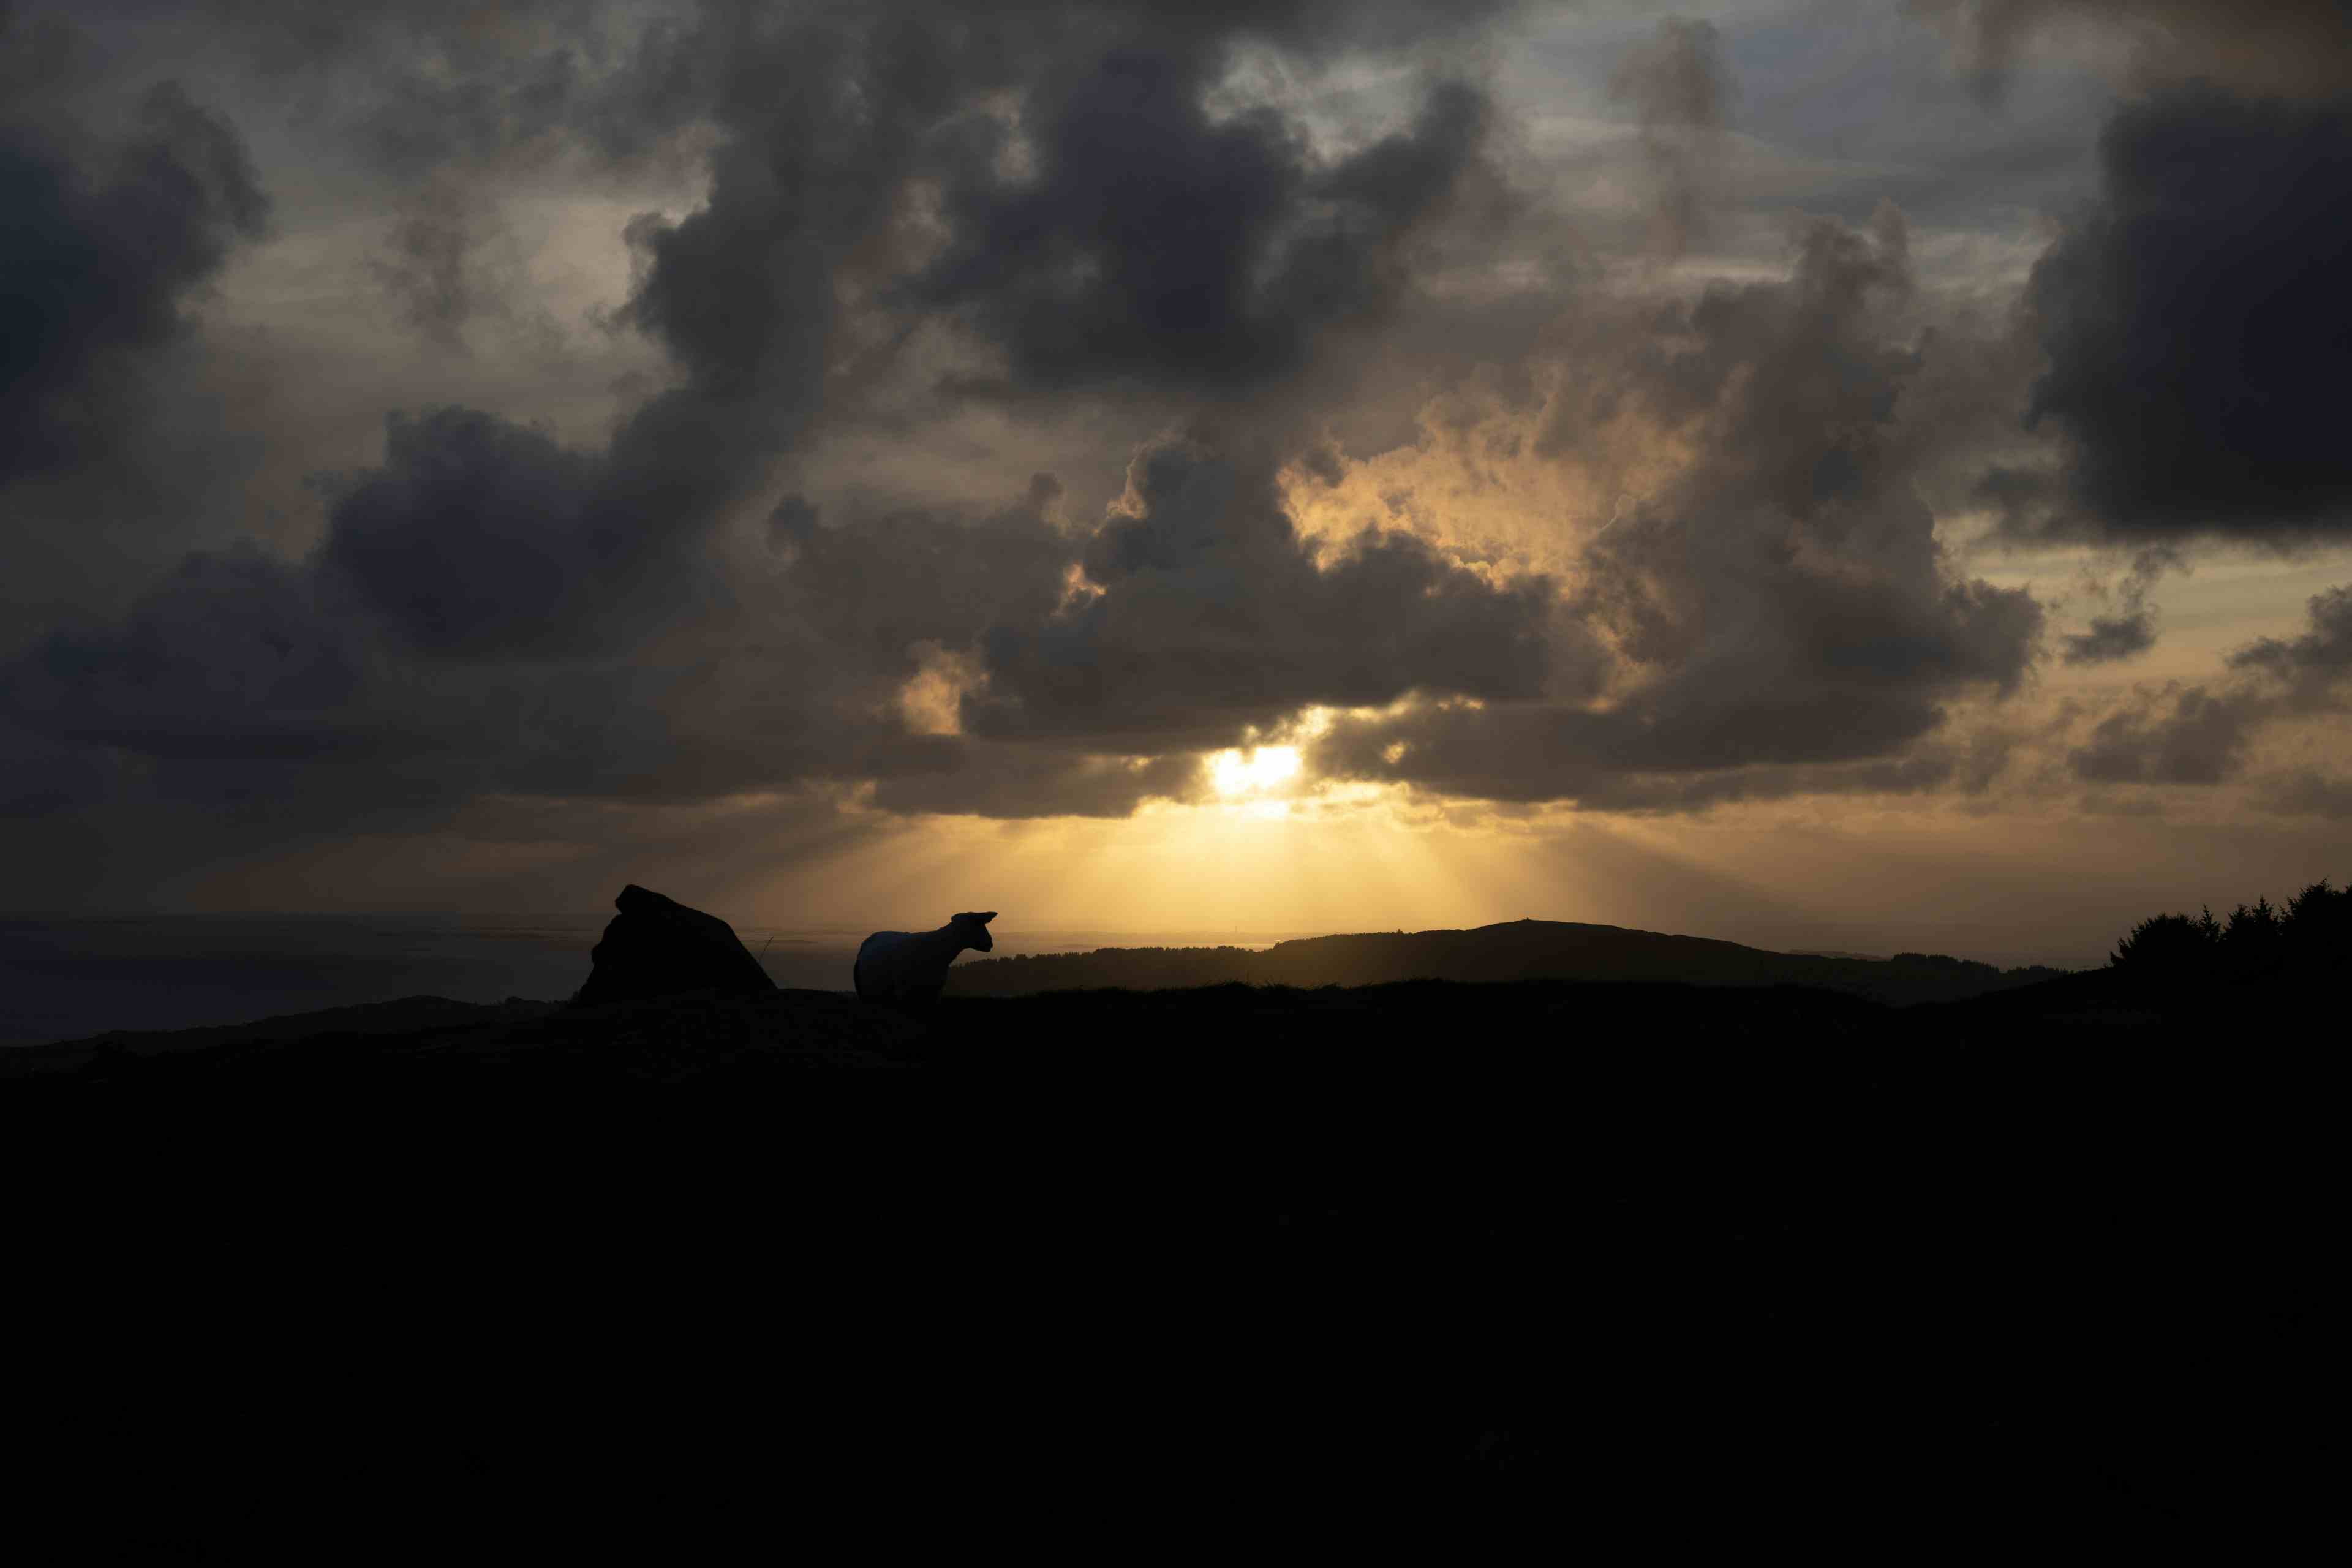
(1259, 771)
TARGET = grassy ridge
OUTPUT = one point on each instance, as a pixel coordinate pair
(1519, 950)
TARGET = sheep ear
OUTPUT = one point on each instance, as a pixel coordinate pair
(976, 915)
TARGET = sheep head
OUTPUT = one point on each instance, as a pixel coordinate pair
(974, 930)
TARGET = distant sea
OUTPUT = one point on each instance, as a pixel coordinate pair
(63, 978)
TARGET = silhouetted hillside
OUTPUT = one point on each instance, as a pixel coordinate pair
(1419, 1249)
(1532, 1031)
(431, 1045)
(1519, 950)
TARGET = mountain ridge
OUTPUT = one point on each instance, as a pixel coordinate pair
(1505, 951)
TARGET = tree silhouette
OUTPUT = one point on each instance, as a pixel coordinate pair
(2318, 922)
(2176, 947)
(2259, 939)
(2251, 943)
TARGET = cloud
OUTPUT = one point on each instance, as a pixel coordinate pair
(1680, 89)
(228, 658)
(243, 681)
(479, 549)
(2309, 792)
(982, 778)
(442, 266)
(2112, 638)
(412, 89)
(474, 536)
(491, 610)
(107, 240)
(1131, 235)
(2204, 734)
(1780, 601)
(2185, 735)
(2194, 325)
(2314, 664)
(2131, 631)
(2300, 46)
(1204, 611)
(478, 538)
(989, 241)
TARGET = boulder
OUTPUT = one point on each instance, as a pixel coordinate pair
(657, 947)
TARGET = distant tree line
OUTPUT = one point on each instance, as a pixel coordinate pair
(2258, 939)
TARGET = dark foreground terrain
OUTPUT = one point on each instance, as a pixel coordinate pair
(1433, 1264)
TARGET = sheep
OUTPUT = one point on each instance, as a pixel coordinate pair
(907, 968)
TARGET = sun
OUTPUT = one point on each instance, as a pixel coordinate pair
(1259, 768)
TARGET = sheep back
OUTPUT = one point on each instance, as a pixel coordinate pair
(888, 969)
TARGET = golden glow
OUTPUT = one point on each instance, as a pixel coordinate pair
(930, 703)
(2010, 883)
(1259, 771)
(1315, 859)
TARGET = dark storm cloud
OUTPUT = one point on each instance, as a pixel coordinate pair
(1679, 89)
(741, 291)
(2310, 793)
(2131, 630)
(415, 85)
(430, 268)
(985, 778)
(888, 583)
(2112, 638)
(477, 537)
(246, 677)
(2301, 46)
(104, 242)
(227, 657)
(1601, 763)
(1153, 242)
(246, 680)
(1204, 610)
(2197, 326)
(1784, 602)
(2315, 664)
(425, 118)
(490, 610)
(45, 778)
(479, 549)
(1311, 26)
(2187, 735)
(2202, 734)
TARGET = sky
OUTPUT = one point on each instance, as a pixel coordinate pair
(1820, 473)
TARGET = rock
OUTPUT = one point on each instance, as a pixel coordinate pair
(657, 947)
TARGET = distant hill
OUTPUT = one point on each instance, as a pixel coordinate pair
(1519, 950)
